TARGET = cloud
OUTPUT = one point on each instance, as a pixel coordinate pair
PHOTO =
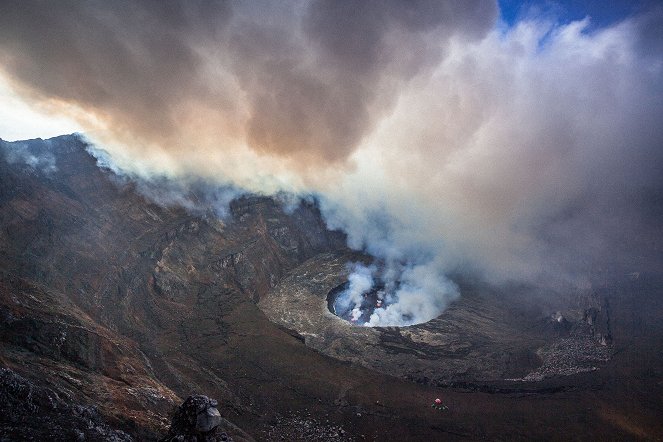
(219, 82)
(20, 121)
(439, 139)
(529, 155)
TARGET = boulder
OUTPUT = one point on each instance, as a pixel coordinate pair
(197, 419)
(208, 420)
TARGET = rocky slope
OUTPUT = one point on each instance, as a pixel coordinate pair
(93, 278)
(110, 300)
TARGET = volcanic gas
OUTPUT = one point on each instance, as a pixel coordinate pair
(357, 308)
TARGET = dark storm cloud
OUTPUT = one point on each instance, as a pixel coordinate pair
(313, 86)
(128, 61)
(304, 75)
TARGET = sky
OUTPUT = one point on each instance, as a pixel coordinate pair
(21, 120)
(601, 12)
(518, 141)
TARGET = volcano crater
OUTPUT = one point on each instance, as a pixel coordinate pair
(481, 337)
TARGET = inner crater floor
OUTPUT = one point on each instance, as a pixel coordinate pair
(371, 300)
(481, 337)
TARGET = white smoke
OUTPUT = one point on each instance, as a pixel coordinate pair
(21, 153)
(406, 294)
(360, 281)
(196, 195)
(423, 293)
(525, 156)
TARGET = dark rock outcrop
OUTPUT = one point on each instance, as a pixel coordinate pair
(32, 412)
(198, 419)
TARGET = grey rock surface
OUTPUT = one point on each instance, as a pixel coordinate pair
(198, 419)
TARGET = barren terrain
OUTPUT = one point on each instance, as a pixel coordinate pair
(110, 300)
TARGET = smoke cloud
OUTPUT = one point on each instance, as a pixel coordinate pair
(22, 153)
(197, 195)
(524, 155)
(438, 138)
(405, 294)
(208, 86)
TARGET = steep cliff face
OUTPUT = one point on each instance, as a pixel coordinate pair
(109, 299)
